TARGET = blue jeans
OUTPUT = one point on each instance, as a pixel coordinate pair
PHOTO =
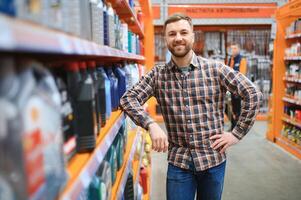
(182, 184)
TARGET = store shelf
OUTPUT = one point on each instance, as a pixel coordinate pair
(292, 79)
(288, 145)
(293, 36)
(137, 164)
(82, 167)
(292, 100)
(125, 12)
(22, 36)
(294, 122)
(122, 175)
(291, 58)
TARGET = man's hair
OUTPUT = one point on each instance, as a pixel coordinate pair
(177, 17)
(235, 44)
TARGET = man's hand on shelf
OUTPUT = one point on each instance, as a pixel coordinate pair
(159, 138)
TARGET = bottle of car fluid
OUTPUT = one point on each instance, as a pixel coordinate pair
(91, 68)
(86, 113)
(106, 107)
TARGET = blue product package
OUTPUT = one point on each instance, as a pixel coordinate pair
(114, 88)
(106, 39)
(101, 75)
(8, 7)
(120, 74)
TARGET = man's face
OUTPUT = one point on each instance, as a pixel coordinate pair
(234, 50)
(179, 38)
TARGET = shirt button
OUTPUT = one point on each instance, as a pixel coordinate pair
(187, 106)
(191, 136)
(188, 121)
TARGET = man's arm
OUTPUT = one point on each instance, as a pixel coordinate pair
(251, 97)
(132, 101)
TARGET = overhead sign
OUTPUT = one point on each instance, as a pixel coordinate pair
(225, 10)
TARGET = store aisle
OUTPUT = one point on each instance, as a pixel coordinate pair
(256, 169)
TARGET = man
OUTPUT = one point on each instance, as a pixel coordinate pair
(238, 63)
(190, 91)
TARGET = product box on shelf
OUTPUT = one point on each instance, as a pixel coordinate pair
(124, 37)
(111, 25)
(97, 21)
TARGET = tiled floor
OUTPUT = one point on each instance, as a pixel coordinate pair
(256, 170)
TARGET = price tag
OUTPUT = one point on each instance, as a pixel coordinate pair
(65, 44)
(85, 178)
(7, 40)
(99, 156)
(78, 46)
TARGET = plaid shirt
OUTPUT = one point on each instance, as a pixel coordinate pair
(192, 106)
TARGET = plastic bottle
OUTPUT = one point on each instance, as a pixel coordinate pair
(12, 177)
(106, 106)
(47, 101)
(130, 43)
(8, 7)
(97, 89)
(106, 39)
(86, 113)
(100, 7)
(120, 74)
(111, 157)
(111, 25)
(104, 173)
(67, 114)
(114, 88)
(94, 191)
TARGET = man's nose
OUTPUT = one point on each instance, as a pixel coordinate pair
(178, 37)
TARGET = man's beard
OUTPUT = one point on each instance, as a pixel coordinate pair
(180, 54)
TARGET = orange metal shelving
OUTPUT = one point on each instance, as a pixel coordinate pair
(285, 15)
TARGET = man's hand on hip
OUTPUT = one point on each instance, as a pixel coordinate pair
(159, 138)
(223, 141)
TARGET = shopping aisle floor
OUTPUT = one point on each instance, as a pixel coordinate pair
(256, 169)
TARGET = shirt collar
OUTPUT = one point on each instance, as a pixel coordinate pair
(194, 62)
